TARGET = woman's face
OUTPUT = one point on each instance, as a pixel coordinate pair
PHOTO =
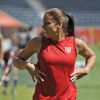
(50, 26)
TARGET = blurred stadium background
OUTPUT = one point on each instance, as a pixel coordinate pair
(25, 16)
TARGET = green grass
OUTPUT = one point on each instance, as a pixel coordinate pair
(23, 92)
(88, 87)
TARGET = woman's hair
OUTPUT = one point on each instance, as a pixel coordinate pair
(67, 20)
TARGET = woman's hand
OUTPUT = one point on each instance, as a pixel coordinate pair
(35, 73)
(77, 74)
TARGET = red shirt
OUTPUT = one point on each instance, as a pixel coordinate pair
(57, 61)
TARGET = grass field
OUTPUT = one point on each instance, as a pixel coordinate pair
(88, 87)
(23, 93)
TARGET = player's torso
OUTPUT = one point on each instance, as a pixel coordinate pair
(59, 53)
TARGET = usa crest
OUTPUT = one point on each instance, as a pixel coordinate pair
(68, 49)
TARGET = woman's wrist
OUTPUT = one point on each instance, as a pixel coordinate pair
(30, 65)
(87, 71)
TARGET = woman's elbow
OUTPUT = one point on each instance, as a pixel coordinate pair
(94, 56)
(15, 62)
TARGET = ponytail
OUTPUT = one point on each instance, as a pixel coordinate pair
(70, 28)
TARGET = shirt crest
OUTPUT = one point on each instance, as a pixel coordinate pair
(68, 49)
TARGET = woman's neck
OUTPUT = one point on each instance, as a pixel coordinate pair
(59, 37)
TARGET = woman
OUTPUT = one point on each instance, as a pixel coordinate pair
(57, 51)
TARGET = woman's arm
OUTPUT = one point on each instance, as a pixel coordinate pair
(31, 47)
(20, 62)
(85, 51)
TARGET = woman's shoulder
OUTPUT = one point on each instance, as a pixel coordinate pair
(34, 43)
(81, 44)
(36, 39)
(79, 41)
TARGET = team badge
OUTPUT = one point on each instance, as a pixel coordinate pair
(68, 49)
